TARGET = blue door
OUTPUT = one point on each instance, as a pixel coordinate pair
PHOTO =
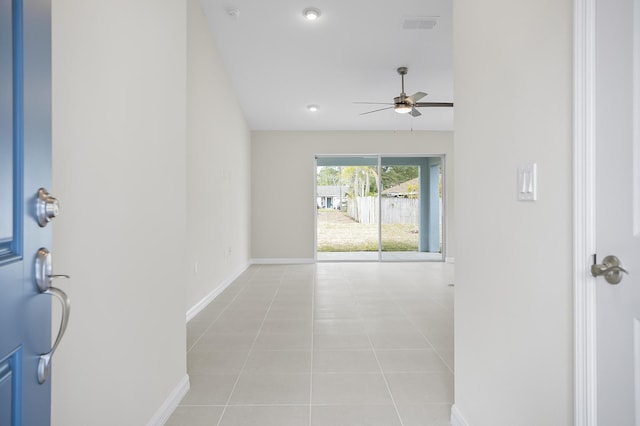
(25, 166)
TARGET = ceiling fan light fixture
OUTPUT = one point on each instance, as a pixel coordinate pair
(311, 13)
(402, 109)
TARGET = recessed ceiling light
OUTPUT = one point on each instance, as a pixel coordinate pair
(311, 13)
(313, 108)
(233, 12)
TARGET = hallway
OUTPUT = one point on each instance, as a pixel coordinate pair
(324, 344)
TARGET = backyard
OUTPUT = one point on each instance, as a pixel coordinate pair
(338, 232)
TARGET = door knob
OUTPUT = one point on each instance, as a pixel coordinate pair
(610, 268)
(47, 208)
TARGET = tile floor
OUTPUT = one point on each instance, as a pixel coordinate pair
(335, 344)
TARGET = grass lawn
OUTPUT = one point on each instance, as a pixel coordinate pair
(338, 232)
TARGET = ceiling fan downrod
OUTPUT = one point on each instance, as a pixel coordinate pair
(403, 71)
(403, 104)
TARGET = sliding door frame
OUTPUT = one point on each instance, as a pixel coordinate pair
(443, 207)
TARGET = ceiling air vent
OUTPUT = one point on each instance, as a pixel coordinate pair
(420, 23)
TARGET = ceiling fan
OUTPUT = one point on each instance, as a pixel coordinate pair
(404, 104)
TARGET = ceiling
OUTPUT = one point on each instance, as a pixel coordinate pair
(280, 63)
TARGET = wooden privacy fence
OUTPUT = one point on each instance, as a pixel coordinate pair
(394, 210)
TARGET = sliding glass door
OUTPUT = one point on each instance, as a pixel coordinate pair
(400, 209)
(373, 208)
(411, 208)
(346, 223)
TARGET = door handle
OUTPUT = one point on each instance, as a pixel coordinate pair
(610, 268)
(44, 362)
(44, 270)
(44, 279)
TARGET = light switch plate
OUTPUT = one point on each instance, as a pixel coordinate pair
(527, 183)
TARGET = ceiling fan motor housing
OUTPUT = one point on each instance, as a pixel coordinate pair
(403, 104)
(403, 99)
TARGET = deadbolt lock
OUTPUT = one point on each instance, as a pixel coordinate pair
(47, 208)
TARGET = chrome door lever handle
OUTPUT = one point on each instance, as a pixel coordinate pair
(44, 363)
(597, 270)
(610, 269)
(44, 278)
(43, 272)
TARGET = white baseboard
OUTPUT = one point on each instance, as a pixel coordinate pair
(450, 259)
(456, 417)
(195, 309)
(293, 261)
(171, 403)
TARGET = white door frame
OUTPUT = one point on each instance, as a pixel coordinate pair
(584, 198)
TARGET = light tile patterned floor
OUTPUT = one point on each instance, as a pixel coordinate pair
(330, 344)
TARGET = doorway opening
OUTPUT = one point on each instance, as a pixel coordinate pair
(379, 208)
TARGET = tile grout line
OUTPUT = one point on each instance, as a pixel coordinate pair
(214, 321)
(408, 318)
(246, 360)
(375, 355)
(220, 314)
(359, 291)
(313, 307)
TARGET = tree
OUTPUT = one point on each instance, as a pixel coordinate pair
(361, 180)
(395, 175)
(328, 176)
(412, 190)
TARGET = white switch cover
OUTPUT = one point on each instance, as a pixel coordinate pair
(527, 183)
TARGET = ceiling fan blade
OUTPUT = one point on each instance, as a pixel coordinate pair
(433, 104)
(417, 96)
(374, 103)
(414, 112)
(376, 110)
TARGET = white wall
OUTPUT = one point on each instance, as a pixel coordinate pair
(513, 312)
(283, 178)
(119, 170)
(218, 172)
